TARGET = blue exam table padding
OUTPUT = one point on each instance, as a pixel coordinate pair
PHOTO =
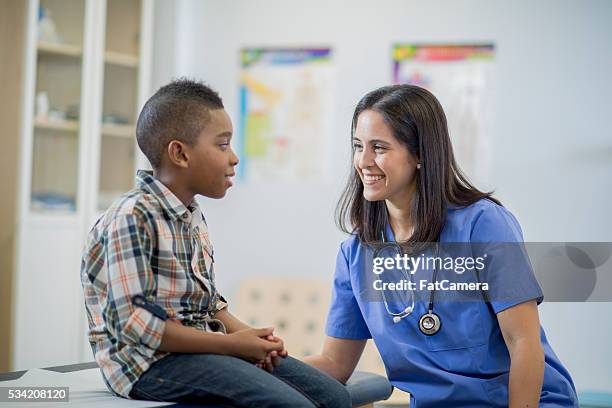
(593, 399)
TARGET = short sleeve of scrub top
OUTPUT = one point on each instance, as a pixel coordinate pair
(509, 272)
(345, 319)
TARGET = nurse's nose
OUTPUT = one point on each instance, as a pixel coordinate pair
(365, 158)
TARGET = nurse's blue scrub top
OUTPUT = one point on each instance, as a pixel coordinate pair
(465, 364)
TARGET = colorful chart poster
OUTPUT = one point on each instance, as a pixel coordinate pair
(460, 77)
(286, 105)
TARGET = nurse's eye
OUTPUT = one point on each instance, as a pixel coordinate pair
(379, 148)
(357, 146)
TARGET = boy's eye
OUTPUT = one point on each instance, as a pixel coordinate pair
(223, 146)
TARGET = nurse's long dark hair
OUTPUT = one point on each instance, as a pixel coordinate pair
(418, 122)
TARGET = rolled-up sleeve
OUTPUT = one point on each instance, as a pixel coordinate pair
(218, 303)
(129, 273)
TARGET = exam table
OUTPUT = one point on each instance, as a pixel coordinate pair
(86, 387)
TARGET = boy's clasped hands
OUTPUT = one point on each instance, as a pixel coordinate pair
(259, 346)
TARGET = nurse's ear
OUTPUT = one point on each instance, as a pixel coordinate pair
(418, 166)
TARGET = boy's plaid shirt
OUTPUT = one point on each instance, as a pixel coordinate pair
(148, 243)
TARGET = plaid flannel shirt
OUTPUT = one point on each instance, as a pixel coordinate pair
(146, 244)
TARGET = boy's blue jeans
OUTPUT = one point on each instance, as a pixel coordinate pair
(232, 382)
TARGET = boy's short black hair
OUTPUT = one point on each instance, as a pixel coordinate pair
(177, 111)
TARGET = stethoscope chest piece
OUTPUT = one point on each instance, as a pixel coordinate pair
(430, 324)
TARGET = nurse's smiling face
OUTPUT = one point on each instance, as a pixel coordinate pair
(385, 166)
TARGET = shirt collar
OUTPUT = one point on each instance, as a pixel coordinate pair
(389, 236)
(169, 202)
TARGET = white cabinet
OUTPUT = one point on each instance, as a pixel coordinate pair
(87, 73)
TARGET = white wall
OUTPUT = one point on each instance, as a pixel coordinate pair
(552, 148)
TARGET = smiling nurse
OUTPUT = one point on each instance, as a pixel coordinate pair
(406, 187)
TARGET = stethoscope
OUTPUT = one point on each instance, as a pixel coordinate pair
(429, 323)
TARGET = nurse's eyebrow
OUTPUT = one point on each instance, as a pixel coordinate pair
(378, 141)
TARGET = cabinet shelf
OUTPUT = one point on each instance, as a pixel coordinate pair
(122, 59)
(126, 131)
(68, 50)
(63, 125)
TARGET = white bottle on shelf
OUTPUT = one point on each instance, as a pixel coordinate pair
(46, 27)
(42, 106)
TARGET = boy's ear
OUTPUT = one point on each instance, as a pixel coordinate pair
(177, 153)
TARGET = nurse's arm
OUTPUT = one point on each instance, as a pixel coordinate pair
(520, 326)
(338, 358)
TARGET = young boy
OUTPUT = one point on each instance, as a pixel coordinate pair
(159, 328)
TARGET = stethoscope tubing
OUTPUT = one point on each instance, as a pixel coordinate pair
(430, 323)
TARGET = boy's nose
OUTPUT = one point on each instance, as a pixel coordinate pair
(234, 160)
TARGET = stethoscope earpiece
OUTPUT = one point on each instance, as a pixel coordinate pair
(407, 312)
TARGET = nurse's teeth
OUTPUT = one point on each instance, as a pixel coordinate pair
(373, 178)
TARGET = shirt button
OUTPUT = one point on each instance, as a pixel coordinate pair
(185, 215)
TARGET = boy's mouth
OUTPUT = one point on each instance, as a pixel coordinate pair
(229, 178)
